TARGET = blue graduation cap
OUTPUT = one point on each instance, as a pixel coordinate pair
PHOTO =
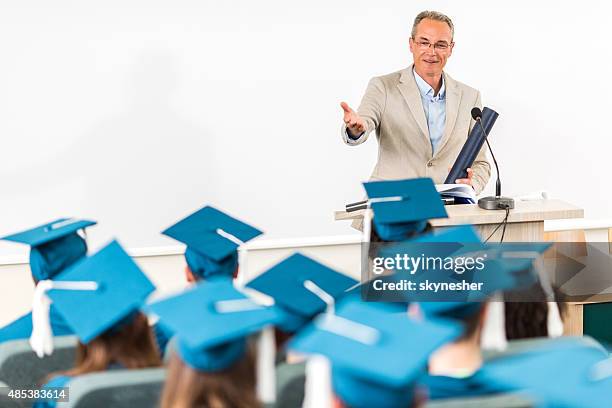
(54, 246)
(297, 285)
(376, 356)
(581, 374)
(212, 238)
(403, 207)
(121, 290)
(213, 321)
(443, 242)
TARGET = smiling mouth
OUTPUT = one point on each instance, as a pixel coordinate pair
(431, 62)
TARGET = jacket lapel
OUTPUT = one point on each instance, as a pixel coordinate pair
(453, 98)
(409, 90)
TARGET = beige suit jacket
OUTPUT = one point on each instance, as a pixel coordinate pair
(392, 106)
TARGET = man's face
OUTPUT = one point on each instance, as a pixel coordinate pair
(431, 46)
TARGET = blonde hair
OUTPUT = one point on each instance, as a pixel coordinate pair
(432, 15)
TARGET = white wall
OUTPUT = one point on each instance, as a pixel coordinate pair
(137, 112)
(166, 271)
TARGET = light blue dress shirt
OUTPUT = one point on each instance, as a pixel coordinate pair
(435, 110)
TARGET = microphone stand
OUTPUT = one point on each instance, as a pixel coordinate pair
(496, 202)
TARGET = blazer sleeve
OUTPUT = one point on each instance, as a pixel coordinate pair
(371, 110)
(481, 166)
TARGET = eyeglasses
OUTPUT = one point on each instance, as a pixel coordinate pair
(439, 46)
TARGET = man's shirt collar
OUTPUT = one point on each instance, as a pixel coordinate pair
(427, 90)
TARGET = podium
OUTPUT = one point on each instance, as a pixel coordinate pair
(525, 224)
(525, 221)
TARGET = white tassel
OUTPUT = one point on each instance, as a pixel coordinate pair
(601, 370)
(62, 224)
(367, 225)
(494, 328)
(230, 237)
(236, 305)
(321, 294)
(242, 253)
(266, 368)
(256, 296)
(242, 266)
(41, 339)
(365, 246)
(350, 329)
(554, 322)
(318, 389)
(384, 200)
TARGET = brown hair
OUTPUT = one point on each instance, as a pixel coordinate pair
(472, 322)
(233, 387)
(131, 346)
(528, 319)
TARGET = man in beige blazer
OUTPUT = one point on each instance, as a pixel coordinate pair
(421, 115)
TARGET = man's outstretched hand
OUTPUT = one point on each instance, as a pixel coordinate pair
(355, 125)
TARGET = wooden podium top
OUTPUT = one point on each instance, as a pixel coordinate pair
(524, 211)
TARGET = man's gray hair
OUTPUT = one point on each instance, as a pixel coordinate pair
(432, 15)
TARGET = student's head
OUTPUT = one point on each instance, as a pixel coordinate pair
(473, 323)
(376, 355)
(54, 246)
(200, 267)
(213, 357)
(49, 259)
(402, 233)
(406, 232)
(526, 320)
(471, 315)
(401, 210)
(465, 351)
(300, 287)
(99, 298)
(431, 43)
(527, 312)
(233, 386)
(213, 239)
(129, 345)
(352, 392)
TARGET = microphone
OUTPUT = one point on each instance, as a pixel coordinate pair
(477, 116)
(497, 202)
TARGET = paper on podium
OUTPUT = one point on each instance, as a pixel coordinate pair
(462, 193)
(533, 196)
